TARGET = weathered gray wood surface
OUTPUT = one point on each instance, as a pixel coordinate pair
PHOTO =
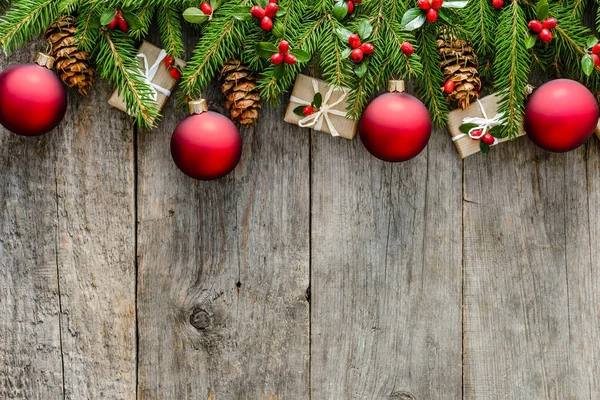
(433, 279)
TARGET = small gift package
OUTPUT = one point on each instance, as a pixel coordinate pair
(314, 104)
(156, 74)
(467, 127)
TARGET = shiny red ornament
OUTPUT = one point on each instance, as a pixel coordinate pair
(561, 115)
(206, 146)
(32, 99)
(395, 127)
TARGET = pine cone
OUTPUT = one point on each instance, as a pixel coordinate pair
(71, 64)
(238, 84)
(460, 65)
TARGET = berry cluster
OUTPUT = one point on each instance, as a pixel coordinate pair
(431, 8)
(359, 50)
(206, 8)
(173, 69)
(543, 29)
(486, 138)
(265, 15)
(283, 56)
(305, 111)
(118, 22)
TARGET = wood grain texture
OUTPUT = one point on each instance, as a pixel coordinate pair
(386, 273)
(224, 268)
(531, 291)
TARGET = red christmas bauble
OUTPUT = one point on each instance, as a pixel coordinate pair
(395, 127)
(206, 146)
(561, 115)
(32, 99)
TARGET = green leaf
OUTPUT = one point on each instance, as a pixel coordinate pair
(587, 64)
(317, 100)
(107, 17)
(346, 53)
(215, 4)
(530, 41)
(360, 69)
(445, 16)
(412, 19)
(542, 10)
(240, 13)
(280, 12)
(298, 111)
(262, 3)
(300, 55)
(193, 15)
(278, 30)
(454, 4)
(364, 30)
(591, 42)
(343, 34)
(278, 71)
(497, 132)
(340, 10)
(484, 147)
(266, 49)
(465, 128)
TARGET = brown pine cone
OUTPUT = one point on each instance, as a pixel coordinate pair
(460, 65)
(238, 84)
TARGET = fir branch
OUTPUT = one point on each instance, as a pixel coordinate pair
(25, 20)
(479, 19)
(68, 7)
(143, 19)
(88, 26)
(336, 70)
(169, 26)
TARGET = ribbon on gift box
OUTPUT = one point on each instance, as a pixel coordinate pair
(482, 125)
(316, 119)
(150, 72)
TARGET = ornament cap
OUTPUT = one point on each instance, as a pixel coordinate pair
(44, 60)
(198, 106)
(396, 86)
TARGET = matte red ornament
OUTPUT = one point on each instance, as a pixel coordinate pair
(32, 99)
(206, 145)
(395, 126)
(561, 115)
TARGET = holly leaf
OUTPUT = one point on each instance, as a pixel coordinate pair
(278, 30)
(360, 69)
(484, 147)
(317, 100)
(278, 71)
(241, 14)
(591, 42)
(343, 34)
(215, 4)
(542, 10)
(587, 64)
(300, 55)
(107, 17)
(346, 53)
(454, 4)
(298, 111)
(412, 19)
(364, 30)
(465, 128)
(340, 10)
(262, 3)
(266, 49)
(280, 12)
(193, 15)
(530, 41)
(445, 16)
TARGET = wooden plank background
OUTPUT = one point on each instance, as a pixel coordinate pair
(313, 271)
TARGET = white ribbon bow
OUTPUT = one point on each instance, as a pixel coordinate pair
(149, 74)
(482, 124)
(316, 119)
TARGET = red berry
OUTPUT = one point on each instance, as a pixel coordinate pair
(476, 134)
(407, 48)
(354, 41)
(169, 61)
(308, 110)
(424, 4)
(123, 26)
(350, 7)
(596, 48)
(550, 23)
(488, 139)
(289, 59)
(449, 86)
(257, 12)
(436, 4)
(596, 58)
(271, 10)
(498, 4)
(357, 1)
(432, 15)
(277, 58)
(356, 55)
(175, 73)
(535, 26)
(284, 46)
(272, 1)
(367, 48)
(206, 8)
(545, 36)
(113, 24)
(266, 24)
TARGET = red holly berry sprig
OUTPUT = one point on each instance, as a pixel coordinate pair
(541, 30)
(305, 111)
(114, 20)
(266, 13)
(591, 59)
(173, 69)
(430, 11)
(486, 138)
(281, 55)
(357, 50)
(344, 8)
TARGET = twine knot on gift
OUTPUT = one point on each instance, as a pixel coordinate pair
(481, 125)
(150, 72)
(322, 114)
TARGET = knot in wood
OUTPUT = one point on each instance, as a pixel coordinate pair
(200, 319)
(402, 395)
